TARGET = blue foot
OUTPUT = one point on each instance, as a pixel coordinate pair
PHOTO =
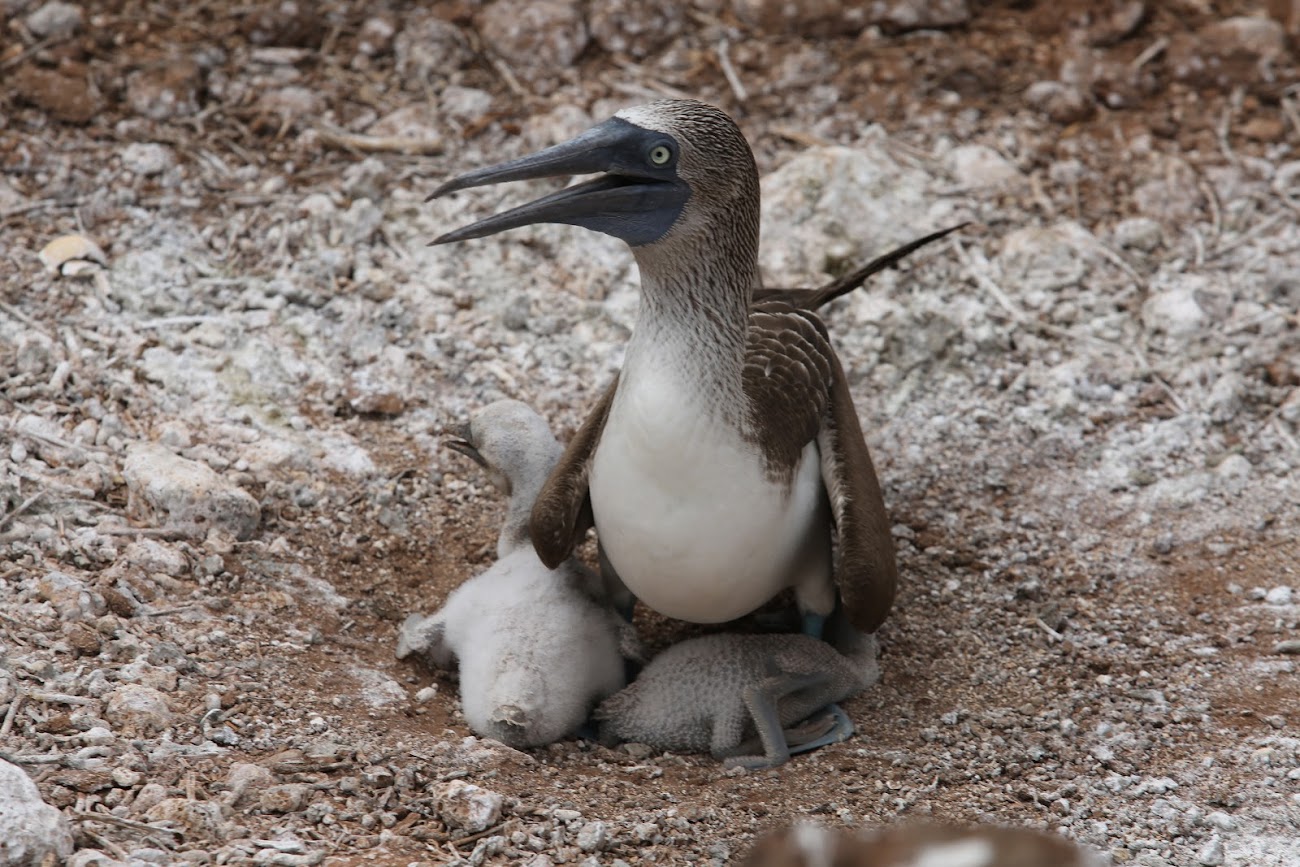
(841, 729)
(588, 732)
(814, 624)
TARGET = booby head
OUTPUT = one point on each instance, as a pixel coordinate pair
(512, 442)
(673, 168)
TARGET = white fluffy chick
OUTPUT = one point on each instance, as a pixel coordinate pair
(536, 648)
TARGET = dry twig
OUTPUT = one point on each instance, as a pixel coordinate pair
(22, 507)
(395, 144)
(724, 60)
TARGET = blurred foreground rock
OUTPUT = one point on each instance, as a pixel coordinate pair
(31, 831)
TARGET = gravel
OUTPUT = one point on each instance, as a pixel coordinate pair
(222, 486)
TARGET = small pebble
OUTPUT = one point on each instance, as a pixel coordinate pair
(1279, 596)
(1211, 854)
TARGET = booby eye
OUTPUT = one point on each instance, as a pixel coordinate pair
(660, 155)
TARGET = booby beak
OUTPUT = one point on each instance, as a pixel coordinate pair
(638, 198)
(466, 448)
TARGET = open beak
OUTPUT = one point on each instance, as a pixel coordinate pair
(466, 448)
(632, 200)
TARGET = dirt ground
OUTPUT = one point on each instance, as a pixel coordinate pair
(1085, 413)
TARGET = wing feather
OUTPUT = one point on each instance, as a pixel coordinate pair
(561, 514)
(798, 394)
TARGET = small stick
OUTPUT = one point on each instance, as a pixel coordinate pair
(22, 507)
(146, 532)
(14, 705)
(798, 136)
(1225, 125)
(724, 59)
(24, 318)
(508, 76)
(40, 759)
(1052, 633)
(110, 819)
(1150, 53)
(59, 698)
(1254, 231)
(105, 843)
(397, 144)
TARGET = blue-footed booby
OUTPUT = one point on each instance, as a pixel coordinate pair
(722, 460)
(710, 694)
(536, 648)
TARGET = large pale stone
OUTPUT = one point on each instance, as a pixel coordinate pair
(186, 494)
(31, 831)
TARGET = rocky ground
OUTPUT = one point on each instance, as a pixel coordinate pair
(222, 485)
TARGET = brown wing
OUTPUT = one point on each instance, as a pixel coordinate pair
(561, 513)
(865, 571)
(786, 375)
(812, 299)
(798, 393)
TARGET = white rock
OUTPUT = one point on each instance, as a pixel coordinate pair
(918, 14)
(291, 102)
(540, 36)
(1040, 260)
(592, 837)
(138, 709)
(428, 49)
(1234, 473)
(464, 805)
(977, 167)
(190, 495)
(196, 820)
(92, 858)
(377, 688)
(838, 203)
(1221, 820)
(1174, 311)
(244, 777)
(286, 798)
(147, 158)
(1062, 102)
(1279, 596)
(464, 103)
(418, 121)
(1139, 233)
(71, 597)
(1211, 854)
(154, 556)
(55, 20)
(126, 778)
(31, 831)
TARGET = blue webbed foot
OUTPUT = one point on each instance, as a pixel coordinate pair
(830, 726)
(814, 624)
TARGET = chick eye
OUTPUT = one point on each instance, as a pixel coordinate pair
(660, 155)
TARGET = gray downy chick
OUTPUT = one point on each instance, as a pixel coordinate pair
(711, 694)
(536, 648)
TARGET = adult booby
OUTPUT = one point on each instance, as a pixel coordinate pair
(725, 454)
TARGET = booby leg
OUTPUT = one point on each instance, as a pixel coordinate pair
(615, 590)
(762, 702)
(833, 721)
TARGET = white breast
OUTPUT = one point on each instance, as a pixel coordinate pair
(685, 510)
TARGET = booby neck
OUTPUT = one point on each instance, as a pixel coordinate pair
(694, 315)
